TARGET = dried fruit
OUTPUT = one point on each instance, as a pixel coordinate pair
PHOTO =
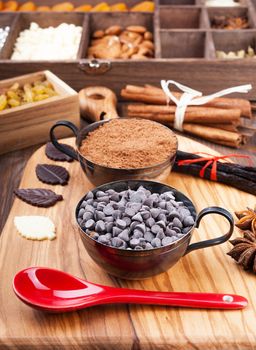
(64, 6)
(244, 251)
(119, 7)
(17, 95)
(102, 6)
(83, 8)
(145, 6)
(43, 9)
(38, 197)
(10, 6)
(52, 174)
(27, 6)
(247, 220)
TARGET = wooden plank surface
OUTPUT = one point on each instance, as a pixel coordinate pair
(122, 326)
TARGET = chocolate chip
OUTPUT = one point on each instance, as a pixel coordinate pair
(108, 210)
(121, 224)
(177, 223)
(160, 235)
(148, 246)
(161, 223)
(99, 215)
(89, 208)
(186, 229)
(137, 234)
(117, 242)
(134, 242)
(109, 226)
(141, 227)
(188, 221)
(103, 239)
(150, 222)
(124, 235)
(130, 212)
(170, 232)
(137, 217)
(145, 215)
(116, 231)
(90, 224)
(87, 215)
(167, 240)
(81, 212)
(127, 220)
(156, 242)
(155, 229)
(149, 236)
(100, 226)
(155, 212)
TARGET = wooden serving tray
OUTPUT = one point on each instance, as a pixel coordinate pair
(185, 46)
(126, 326)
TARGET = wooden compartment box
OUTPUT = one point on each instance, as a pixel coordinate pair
(185, 46)
(30, 123)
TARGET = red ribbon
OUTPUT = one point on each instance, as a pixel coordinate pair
(212, 160)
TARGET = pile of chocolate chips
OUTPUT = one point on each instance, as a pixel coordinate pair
(134, 219)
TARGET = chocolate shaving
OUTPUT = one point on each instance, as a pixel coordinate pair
(52, 174)
(54, 154)
(38, 197)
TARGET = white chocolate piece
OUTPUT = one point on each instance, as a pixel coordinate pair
(36, 228)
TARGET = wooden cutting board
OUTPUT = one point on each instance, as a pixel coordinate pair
(126, 326)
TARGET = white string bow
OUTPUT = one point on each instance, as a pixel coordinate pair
(192, 97)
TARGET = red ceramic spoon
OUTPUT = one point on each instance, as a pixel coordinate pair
(56, 291)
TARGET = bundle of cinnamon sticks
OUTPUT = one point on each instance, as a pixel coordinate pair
(219, 121)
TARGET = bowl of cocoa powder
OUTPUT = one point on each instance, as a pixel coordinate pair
(122, 149)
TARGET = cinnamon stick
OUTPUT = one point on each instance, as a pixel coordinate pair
(154, 95)
(222, 137)
(197, 114)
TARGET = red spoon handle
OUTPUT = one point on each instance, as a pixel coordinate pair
(182, 299)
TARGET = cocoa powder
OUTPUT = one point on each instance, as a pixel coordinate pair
(129, 144)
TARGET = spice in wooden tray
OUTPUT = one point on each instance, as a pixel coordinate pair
(132, 42)
(3, 35)
(129, 144)
(230, 23)
(250, 53)
(58, 43)
(66, 6)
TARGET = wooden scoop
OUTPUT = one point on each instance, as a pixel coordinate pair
(97, 103)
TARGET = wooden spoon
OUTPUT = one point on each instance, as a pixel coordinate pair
(97, 103)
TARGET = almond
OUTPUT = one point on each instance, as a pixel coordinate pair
(136, 29)
(113, 30)
(148, 44)
(98, 34)
(148, 36)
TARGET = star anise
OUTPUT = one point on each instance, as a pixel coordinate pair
(247, 220)
(244, 251)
